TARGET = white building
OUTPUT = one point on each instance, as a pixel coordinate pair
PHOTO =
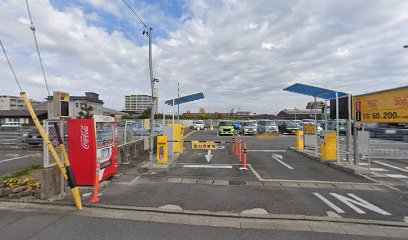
(75, 103)
(13, 103)
(136, 104)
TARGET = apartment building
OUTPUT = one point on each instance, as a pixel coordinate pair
(13, 103)
(136, 104)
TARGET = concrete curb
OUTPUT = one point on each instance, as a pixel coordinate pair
(221, 214)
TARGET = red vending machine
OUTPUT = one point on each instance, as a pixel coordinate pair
(90, 141)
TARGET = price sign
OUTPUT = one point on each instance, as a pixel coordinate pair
(389, 106)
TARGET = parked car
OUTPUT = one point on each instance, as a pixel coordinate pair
(287, 126)
(332, 125)
(198, 125)
(248, 127)
(226, 128)
(237, 125)
(140, 131)
(33, 138)
(267, 126)
(396, 132)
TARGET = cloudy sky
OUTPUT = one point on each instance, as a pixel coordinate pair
(241, 54)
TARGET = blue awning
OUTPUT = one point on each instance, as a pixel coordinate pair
(185, 99)
(314, 91)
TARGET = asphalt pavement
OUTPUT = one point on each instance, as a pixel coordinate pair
(14, 160)
(105, 224)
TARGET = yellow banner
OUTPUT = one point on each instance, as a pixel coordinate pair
(383, 107)
(203, 145)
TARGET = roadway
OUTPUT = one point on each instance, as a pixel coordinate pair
(33, 225)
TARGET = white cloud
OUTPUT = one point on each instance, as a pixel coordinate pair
(241, 54)
(342, 53)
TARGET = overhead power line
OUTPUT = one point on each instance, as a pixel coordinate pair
(11, 67)
(131, 9)
(32, 28)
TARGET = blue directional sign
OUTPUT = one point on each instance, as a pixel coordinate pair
(185, 99)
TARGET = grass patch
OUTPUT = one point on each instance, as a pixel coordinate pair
(22, 172)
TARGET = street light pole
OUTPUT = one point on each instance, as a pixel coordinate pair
(152, 80)
(178, 105)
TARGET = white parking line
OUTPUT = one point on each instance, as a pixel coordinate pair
(330, 204)
(395, 176)
(274, 156)
(11, 159)
(391, 166)
(378, 169)
(208, 166)
(266, 150)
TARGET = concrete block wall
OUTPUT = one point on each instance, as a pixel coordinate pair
(51, 182)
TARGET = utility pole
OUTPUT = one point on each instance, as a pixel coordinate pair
(152, 80)
(178, 105)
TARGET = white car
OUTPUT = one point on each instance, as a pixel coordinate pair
(198, 125)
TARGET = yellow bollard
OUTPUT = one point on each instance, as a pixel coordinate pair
(300, 143)
(162, 150)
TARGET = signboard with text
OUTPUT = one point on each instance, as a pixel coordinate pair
(203, 145)
(389, 106)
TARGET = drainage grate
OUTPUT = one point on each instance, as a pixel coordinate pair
(236, 182)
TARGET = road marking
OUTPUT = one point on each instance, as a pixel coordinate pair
(378, 169)
(395, 176)
(391, 166)
(265, 150)
(330, 204)
(278, 157)
(363, 164)
(11, 159)
(360, 202)
(207, 166)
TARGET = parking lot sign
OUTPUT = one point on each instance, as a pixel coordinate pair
(389, 106)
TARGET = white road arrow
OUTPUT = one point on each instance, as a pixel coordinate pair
(279, 158)
(208, 156)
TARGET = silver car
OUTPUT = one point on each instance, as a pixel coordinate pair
(267, 126)
(248, 127)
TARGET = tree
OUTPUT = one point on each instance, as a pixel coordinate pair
(85, 112)
(145, 113)
(201, 113)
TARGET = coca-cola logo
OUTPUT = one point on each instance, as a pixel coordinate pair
(84, 138)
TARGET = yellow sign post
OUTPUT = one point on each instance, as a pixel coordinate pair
(209, 145)
(389, 106)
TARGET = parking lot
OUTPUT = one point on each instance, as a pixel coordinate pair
(290, 184)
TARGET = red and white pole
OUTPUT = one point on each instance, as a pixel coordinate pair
(236, 146)
(95, 197)
(244, 167)
(240, 150)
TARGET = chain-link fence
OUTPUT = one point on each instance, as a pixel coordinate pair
(50, 131)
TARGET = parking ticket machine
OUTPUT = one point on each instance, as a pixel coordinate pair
(328, 144)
